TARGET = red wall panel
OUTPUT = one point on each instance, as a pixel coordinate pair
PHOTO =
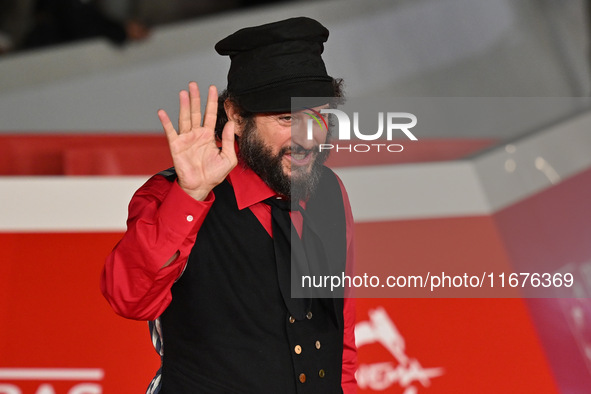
(54, 315)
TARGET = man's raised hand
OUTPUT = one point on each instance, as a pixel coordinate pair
(199, 163)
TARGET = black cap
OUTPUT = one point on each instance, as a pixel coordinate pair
(274, 62)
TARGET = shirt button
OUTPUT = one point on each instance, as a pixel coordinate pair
(190, 218)
(302, 378)
(321, 373)
(309, 315)
(297, 349)
(317, 345)
(292, 319)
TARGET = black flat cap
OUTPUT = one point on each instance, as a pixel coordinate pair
(274, 62)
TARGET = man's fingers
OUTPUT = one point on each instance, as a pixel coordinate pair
(228, 141)
(211, 108)
(167, 125)
(195, 101)
(184, 112)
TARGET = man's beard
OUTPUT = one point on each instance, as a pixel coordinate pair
(260, 158)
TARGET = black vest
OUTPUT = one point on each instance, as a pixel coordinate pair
(227, 329)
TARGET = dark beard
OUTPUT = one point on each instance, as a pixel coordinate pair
(269, 167)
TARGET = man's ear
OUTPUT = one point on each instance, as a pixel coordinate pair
(232, 114)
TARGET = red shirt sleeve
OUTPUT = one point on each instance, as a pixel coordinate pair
(161, 229)
(348, 381)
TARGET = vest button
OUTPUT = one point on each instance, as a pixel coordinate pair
(302, 378)
(297, 349)
(292, 319)
(309, 315)
(317, 344)
(321, 373)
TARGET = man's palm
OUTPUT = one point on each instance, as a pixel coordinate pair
(199, 163)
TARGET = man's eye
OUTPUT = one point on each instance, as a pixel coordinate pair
(286, 118)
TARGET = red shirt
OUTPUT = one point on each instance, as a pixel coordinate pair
(162, 226)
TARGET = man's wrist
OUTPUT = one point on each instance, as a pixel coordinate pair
(199, 194)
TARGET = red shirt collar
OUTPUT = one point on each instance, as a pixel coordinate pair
(249, 188)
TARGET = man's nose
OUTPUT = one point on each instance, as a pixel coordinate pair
(301, 136)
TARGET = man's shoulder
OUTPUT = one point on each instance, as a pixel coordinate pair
(158, 185)
(329, 178)
(169, 174)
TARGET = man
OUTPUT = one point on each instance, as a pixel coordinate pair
(204, 257)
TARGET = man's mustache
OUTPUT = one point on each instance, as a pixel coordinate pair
(297, 149)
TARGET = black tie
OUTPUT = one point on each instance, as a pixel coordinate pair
(291, 257)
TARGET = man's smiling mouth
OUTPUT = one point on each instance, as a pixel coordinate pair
(300, 156)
